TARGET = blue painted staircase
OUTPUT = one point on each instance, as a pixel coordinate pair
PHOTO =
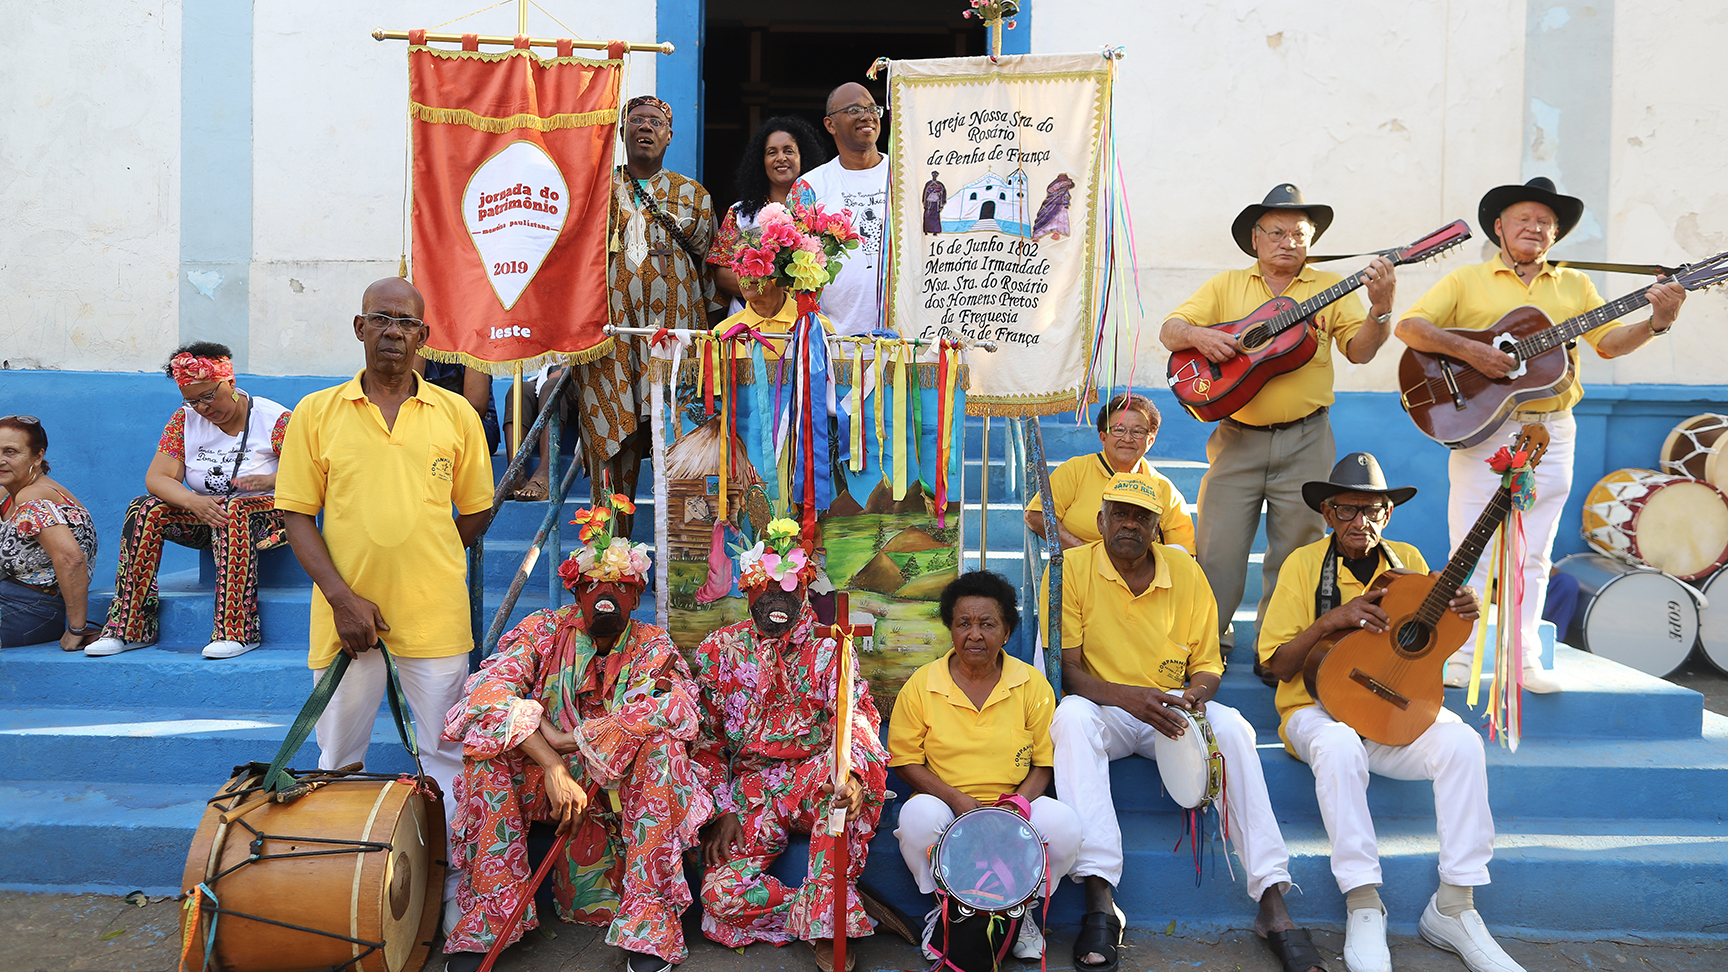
(1611, 815)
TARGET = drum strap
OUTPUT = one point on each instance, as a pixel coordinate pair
(276, 778)
(1326, 596)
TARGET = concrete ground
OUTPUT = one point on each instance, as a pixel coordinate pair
(96, 933)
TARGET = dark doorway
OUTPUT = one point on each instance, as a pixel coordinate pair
(763, 58)
(986, 211)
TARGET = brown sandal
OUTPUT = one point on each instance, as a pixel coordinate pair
(532, 491)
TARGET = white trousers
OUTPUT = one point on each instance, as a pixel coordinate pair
(1474, 484)
(1088, 736)
(1449, 753)
(924, 817)
(433, 686)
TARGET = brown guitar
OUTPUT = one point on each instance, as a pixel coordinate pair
(1389, 686)
(1458, 406)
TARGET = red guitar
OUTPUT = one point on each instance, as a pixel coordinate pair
(1277, 338)
(1458, 406)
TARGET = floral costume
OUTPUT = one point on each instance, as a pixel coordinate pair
(765, 750)
(633, 712)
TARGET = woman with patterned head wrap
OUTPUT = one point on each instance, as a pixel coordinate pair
(211, 486)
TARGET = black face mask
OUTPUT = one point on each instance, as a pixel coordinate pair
(776, 601)
(607, 619)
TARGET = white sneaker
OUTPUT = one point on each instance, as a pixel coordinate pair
(1030, 943)
(1365, 941)
(112, 646)
(1467, 937)
(1457, 671)
(930, 921)
(452, 915)
(229, 649)
(1537, 679)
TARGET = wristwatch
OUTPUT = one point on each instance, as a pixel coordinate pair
(1385, 318)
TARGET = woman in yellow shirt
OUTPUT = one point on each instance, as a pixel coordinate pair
(1127, 427)
(971, 729)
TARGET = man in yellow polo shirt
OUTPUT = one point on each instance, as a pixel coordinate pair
(1324, 591)
(1525, 222)
(384, 457)
(1140, 639)
(1282, 438)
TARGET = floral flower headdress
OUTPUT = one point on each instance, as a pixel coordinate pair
(799, 248)
(776, 559)
(602, 556)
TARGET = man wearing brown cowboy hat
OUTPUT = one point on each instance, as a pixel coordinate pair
(1282, 438)
(1323, 590)
(1524, 221)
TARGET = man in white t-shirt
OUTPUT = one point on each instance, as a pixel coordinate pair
(856, 179)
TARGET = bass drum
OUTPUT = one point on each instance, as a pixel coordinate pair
(348, 876)
(1694, 449)
(1713, 624)
(1644, 518)
(1639, 617)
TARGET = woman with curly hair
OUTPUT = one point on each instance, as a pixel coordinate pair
(783, 148)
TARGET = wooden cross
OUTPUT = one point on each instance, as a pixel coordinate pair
(665, 255)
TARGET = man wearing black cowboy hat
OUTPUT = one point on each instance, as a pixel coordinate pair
(1324, 590)
(1525, 222)
(1282, 438)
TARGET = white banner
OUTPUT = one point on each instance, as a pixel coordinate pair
(995, 179)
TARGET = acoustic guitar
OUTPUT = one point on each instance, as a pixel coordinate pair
(1389, 685)
(1458, 406)
(1277, 338)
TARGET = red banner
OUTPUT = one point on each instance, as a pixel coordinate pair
(512, 171)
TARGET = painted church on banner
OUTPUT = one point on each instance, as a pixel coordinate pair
(989, 202)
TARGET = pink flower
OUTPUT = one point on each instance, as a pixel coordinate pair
(781, 234)
(773, 214)
(752, 263)
(809, 245)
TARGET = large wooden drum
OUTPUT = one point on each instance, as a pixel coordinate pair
(348, 876)
(1713, 622)
(1695, 449)
(1639, 617)
(1645, 518)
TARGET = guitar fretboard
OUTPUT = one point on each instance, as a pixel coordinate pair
(1313, 305)
(1567, 330)
(1465, 557)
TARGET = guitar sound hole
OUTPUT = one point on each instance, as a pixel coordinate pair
(1412, 637)
(1255, 336)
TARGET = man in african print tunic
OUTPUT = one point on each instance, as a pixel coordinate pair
(662, 225)
(766, 752)
(583, 717)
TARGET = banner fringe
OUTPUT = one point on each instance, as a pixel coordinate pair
(659, 369)
(1025, 407)
(461, 55)
(510, 123)
(503, 369)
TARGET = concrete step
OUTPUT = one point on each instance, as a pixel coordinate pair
(151, 745)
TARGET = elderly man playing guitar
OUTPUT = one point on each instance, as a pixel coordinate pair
(1267, 448)
(1525, 221)
(1327, 589)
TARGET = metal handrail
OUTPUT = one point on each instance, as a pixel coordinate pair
(547, 525)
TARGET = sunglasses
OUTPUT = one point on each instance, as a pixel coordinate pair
(25, 419)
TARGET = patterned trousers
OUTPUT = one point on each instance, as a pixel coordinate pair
(623, 869)
(255, 525)
(742, 903)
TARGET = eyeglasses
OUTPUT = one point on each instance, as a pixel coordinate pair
(652, 121)
(1279, 236)
(383, 322)
(1124, 432)
(1375, 513)
(857, 111)
(26, 419)
(204, 399)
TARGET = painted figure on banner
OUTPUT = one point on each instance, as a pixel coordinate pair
(1052, 220)
(856, 180)
(1525, 222)
(582, 718)
(766, 752)
(1262, 454)
(935, 195)
(663, 224)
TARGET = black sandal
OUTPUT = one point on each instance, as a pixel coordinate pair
(1100, 933)
(1295, 948)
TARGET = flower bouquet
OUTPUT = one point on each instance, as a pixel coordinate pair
(602, 556)
(776, 559)
(799, 249)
